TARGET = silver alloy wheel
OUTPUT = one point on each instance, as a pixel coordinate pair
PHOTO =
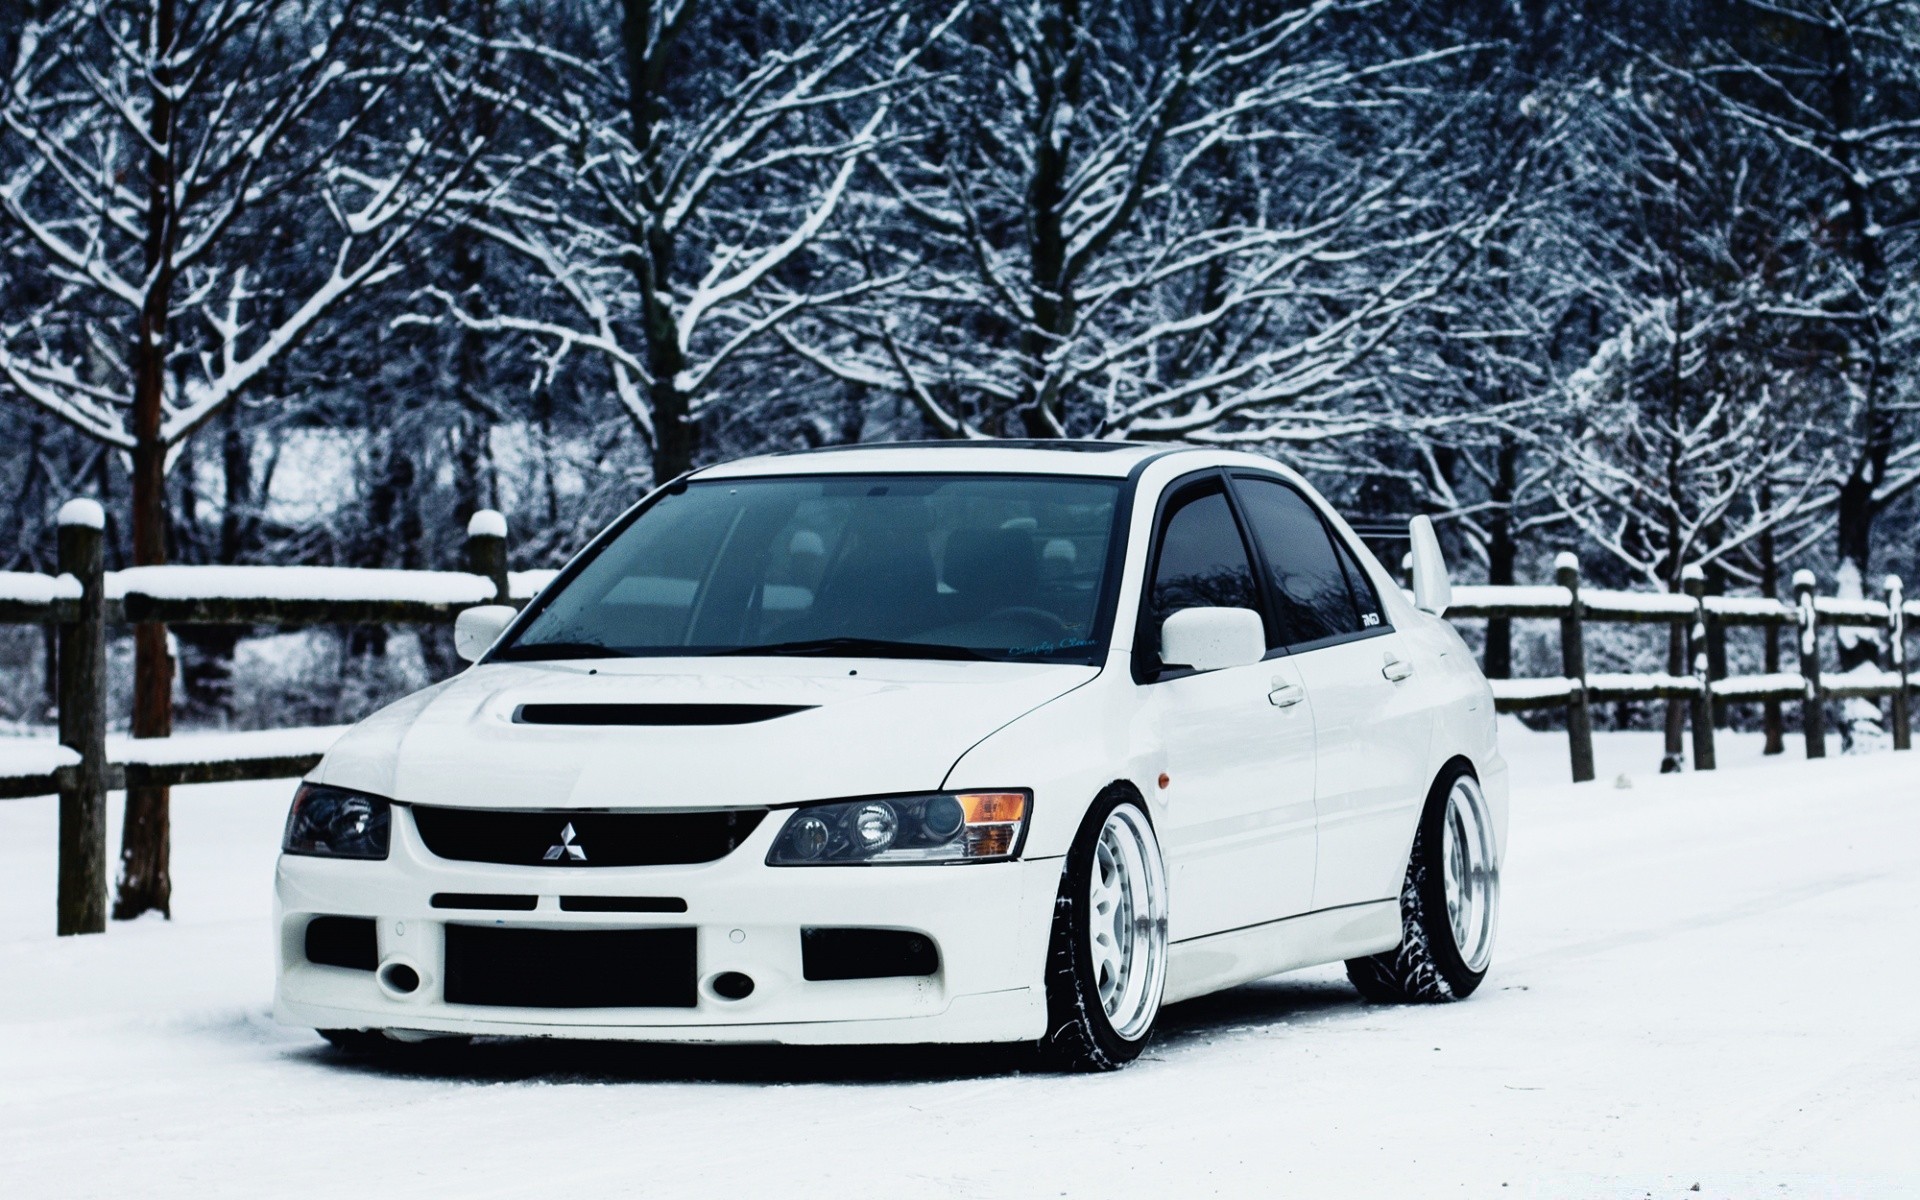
(1472, 873)
(1127, 921)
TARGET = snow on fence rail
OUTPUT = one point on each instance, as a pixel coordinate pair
(81, 601)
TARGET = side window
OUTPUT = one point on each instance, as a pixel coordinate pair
(1202, 561)
(1312, 598)
(1372, 616)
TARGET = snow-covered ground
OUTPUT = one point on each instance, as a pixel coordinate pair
(1701, 979)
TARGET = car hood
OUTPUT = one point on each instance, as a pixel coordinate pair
(865, 728)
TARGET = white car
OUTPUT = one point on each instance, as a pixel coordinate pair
(1003, 742)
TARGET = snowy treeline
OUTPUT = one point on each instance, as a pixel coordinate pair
(310, 281)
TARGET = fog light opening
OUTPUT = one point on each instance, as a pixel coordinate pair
(399, 977)
(732, 985)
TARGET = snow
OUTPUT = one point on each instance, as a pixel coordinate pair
(1759, 685)
(223, 746)
(24, 757)
(300, 583)
(487, 523)
(83, 512)
(1640, 682)
(1601, 602)
(1530, 689)
(525, 585)
(1490, 595)
(1699, 980)
(1864, 678)
(1747, 606)
(26, 587)
(1835, 606)
(27, 756)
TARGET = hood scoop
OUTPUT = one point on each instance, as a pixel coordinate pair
(652, 714)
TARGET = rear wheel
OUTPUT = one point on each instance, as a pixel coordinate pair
(1449, 902)
(1107, 964)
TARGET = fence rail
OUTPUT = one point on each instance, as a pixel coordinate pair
(84, 599)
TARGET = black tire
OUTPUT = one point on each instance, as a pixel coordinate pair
(1426, 968)
(1079, 1035)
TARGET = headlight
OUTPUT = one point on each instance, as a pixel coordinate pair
(950, 827)
(333, 822)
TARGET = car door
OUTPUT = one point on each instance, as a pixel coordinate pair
(1239, 824)
(1372, 728)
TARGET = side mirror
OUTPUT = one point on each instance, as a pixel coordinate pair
(1209, 639)
(475, 629)
(1432, 590)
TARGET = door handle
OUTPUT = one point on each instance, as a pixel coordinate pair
(1286, 695)
(1397, 668)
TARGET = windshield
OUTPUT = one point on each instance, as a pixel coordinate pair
(912, 566)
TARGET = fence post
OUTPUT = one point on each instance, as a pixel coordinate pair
(487, 551)
(1813, 706)
(82, 686)
(1897, 651)
(1700, 709)
(1573, 664)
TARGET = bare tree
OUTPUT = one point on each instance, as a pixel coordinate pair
(671, 189)
(1836, 84)
(1191, 220)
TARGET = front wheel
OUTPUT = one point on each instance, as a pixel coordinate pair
(1107, 963)
(1449, 903)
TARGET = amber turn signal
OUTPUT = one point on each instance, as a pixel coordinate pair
(984, 808)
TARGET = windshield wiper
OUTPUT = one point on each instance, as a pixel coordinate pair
(861, 647)
(544, 651)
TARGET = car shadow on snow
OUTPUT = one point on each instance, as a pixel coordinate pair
(1257, 1008)
(1263, 1007)
(561, 1060)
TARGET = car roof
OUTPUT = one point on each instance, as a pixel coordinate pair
(998, 456)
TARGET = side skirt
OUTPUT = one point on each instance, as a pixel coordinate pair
(1217, 961)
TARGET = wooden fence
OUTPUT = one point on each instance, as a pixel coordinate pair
(1698, 618)
(84, 599)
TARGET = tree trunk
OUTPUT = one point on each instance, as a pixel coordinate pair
(146, 883)
(471, 432)
(1502, 553)
(1056, 92)
(1863, 724)
(1675, 754)
(1770, 717)
(651, 261)
(206, 672)
(1716, 643)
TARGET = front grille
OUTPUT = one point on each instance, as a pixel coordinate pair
(547, 968)
(584, 839)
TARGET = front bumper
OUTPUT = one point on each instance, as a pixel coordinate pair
(989, 921)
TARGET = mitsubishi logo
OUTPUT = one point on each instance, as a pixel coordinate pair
(567, 850)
